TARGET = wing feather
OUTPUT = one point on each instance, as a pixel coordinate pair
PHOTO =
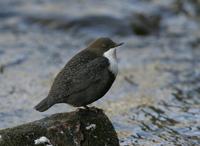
(70, 81)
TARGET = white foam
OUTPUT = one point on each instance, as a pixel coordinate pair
(43, 140)
(91, 126)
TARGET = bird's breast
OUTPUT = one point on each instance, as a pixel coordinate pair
(111, 56)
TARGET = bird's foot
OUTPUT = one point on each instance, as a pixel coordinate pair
(89, 109)
(93, 109)
(83, 108)
(86, 107)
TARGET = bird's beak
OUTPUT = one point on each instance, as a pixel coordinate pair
(117, 45)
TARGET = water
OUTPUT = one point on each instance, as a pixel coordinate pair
(156, 97)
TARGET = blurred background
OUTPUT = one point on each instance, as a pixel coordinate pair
(156, 97)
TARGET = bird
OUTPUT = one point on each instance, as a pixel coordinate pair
(86, 77)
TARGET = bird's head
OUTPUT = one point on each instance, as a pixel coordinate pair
(102, 45)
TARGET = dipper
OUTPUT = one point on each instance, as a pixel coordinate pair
(86, 77)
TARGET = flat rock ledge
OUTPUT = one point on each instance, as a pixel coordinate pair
(78, 128)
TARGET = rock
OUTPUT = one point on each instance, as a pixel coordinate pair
(79, 128)
(145, 24)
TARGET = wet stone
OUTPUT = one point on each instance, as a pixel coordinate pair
(145, 24)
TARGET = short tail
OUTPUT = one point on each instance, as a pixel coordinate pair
(43, 105)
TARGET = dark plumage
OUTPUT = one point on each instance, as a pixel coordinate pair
(84, 79)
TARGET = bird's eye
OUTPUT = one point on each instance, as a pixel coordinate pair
(104, 45)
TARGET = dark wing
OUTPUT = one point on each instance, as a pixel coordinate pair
(68, 82)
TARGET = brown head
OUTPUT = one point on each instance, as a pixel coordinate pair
(102, 45)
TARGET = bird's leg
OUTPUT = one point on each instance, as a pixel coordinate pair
(93, 109)
(86, 107)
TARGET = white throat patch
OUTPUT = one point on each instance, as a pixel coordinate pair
(111, 56)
